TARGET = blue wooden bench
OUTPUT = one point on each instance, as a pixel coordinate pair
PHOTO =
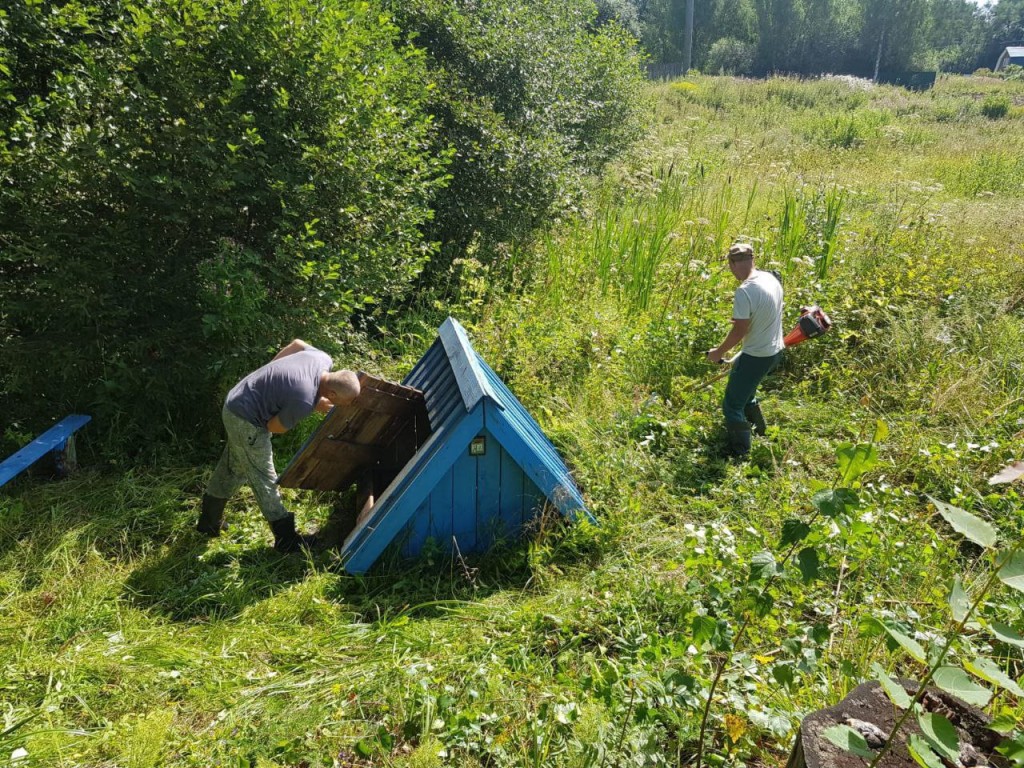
(58, 440)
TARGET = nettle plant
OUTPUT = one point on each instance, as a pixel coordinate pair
(799, 544)
(939, 743)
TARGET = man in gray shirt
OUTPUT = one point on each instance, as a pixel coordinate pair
(271, 399)
(757, 322)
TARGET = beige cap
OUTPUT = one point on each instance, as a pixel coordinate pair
(741, 249)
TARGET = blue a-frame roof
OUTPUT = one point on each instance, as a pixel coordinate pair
(465, 399)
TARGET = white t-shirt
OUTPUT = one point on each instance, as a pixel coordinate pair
(759, 300)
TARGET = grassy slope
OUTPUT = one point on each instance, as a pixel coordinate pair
(132, 643)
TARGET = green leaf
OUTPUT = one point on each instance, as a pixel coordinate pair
(893, 690)
(835, 502)
(909, 644)
(855, 460)
(923, 754)
(808, 563)
(881, 431)
(967, 525)
(869, 626)
(763, 604)
(955, 681)
(794, 531)
(1004, 723)
(703, 629)
(941, 734)
(959, 602)
(1013, 750)
(762, 565)
(784, 675)
(844, 737)
(1012, 572)
(364, 748)
(988, 670)
(1007, 634)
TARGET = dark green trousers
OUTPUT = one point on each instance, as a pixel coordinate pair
(744, 378)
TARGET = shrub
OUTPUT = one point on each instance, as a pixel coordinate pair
(180, 192)
(729, 56)
(1013, 72)
(530, 95)
(995, 106)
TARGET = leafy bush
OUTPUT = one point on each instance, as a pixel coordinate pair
(184, 189)
(995, 106)
(531, 96)
(729, 56)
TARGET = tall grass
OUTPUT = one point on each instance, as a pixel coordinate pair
(131, 641)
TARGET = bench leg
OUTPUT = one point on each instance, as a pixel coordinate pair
(65, 459)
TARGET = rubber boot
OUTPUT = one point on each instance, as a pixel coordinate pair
(756, 418)
(211, 518)
(739, 439)
(286, 538)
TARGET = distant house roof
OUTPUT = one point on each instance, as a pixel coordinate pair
(466, 402)
(1012, 54)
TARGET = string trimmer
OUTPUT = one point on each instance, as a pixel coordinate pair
(813, 322)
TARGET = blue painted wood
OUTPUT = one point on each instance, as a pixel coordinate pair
(512, 494)
(419, 529)
(441, 506)
(525, 423)
(464, 520)
(535, 454)
(472, 382)
(53, 439)
(434, 376)
(413, 484)
(444, 491)
(489, 522)
(556, 485)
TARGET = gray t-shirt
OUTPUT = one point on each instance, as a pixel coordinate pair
(286, 388)
(759, 300)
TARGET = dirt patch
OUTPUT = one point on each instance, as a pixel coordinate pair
(868, 703)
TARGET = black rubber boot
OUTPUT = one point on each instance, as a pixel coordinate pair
(211, 519)
(286, 538)
(756, 418)
(739, 439)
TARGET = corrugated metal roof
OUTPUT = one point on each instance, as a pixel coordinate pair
(1015, 51)
(464, 396)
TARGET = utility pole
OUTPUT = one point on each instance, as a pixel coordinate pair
(688, 42)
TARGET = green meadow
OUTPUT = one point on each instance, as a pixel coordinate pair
(771, 587)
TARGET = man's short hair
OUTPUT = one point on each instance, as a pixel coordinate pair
(344, 384)
(745, 250)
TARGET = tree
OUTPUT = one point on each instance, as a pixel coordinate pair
(184, 185)
(532, 94)
(1008, 22)
(957, 35)
(781, 25)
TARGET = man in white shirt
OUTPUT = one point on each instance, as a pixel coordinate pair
(757, 322)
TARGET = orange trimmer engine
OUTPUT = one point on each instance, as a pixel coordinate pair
(813, 322)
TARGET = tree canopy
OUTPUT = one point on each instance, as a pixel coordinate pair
(817, 36)
(184, 186)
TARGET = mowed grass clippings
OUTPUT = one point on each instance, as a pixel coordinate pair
(132, 641)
